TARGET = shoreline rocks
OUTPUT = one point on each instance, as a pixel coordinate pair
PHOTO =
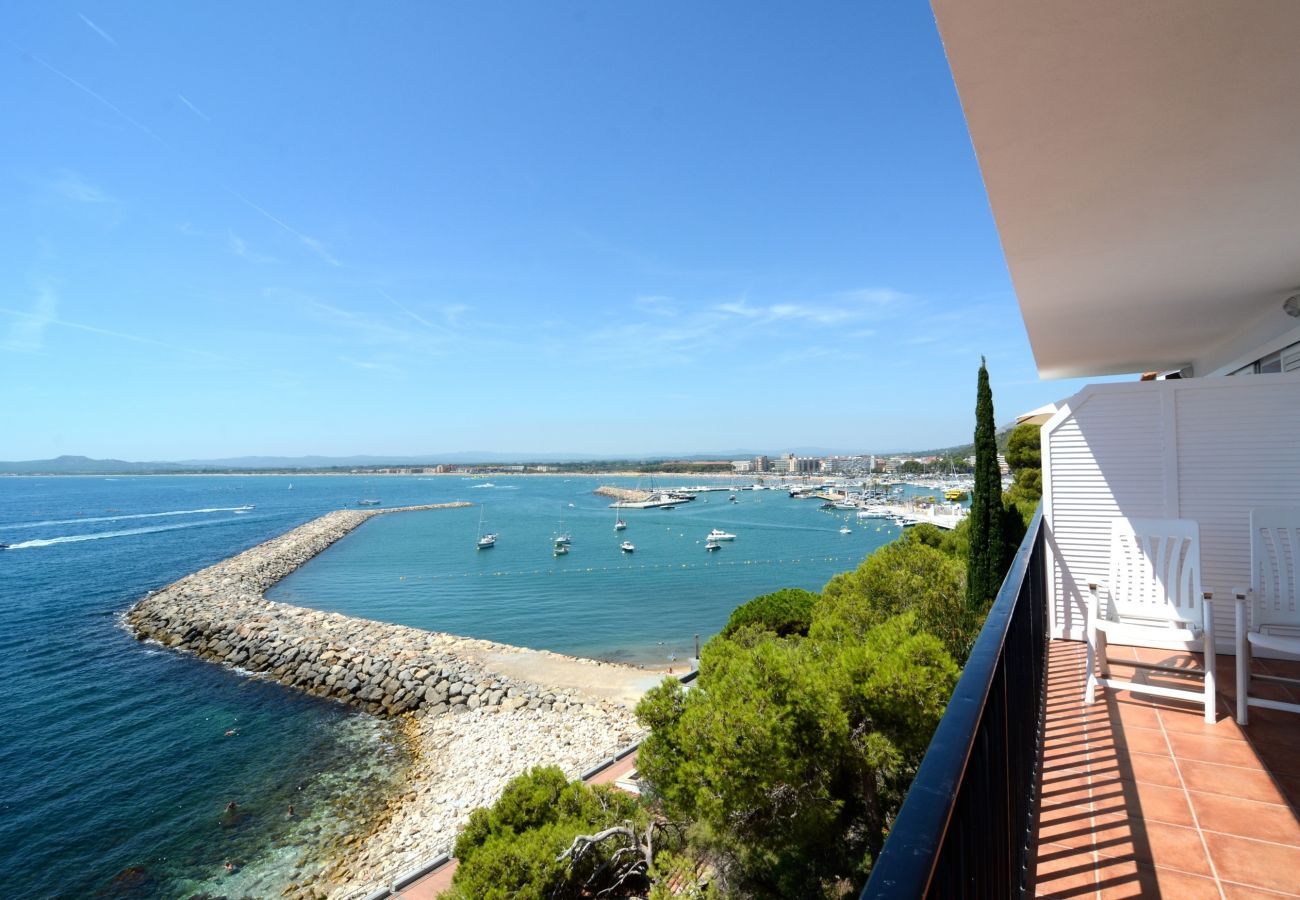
(478, 712)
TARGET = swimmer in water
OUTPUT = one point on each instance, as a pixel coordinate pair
(290, 813)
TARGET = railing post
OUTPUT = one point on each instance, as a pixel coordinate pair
(966, 825)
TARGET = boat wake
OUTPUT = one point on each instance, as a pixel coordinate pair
(154, 515)
(101, 535)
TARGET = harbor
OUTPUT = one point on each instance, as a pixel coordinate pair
(372, 583)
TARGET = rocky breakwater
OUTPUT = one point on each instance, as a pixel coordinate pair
(220, 614)
(618, 493)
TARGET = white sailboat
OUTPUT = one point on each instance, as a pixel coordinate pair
(485, 539)
(619, 524)
(562, 537)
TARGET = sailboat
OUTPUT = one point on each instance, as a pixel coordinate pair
(619, 524)
(485, 539)
(562, 537)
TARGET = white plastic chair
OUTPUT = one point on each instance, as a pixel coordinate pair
(1155, 598)
(1273, 602)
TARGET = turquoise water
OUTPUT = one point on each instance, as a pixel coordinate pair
(423, 569)
(115, 767)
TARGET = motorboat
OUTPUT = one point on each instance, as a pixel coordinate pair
(627, 547)
(369, 502)
(561, 549)
(712, 545)
(844, 529)
(718, 534)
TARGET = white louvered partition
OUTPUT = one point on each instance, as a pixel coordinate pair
(1202, 449)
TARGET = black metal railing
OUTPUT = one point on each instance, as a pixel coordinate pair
(966, 826)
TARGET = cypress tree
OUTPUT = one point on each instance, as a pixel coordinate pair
(984, 563)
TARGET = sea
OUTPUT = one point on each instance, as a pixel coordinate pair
(119, 759)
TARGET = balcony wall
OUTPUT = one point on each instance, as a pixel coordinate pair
(1202, 449)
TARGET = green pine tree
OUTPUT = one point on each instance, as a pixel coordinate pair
(984, 564)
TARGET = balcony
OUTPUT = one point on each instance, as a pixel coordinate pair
(1027, 791)
(1140, 797)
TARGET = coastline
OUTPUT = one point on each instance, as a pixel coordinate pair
(477, 712)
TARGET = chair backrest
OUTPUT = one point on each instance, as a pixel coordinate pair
(1275, 565)
(1155, 569)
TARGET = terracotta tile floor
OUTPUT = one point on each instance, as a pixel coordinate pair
(1141, 798)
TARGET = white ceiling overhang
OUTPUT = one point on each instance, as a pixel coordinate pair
(1142, 161)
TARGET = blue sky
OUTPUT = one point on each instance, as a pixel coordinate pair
(410, 227)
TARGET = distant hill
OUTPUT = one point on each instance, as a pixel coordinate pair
(84, 465)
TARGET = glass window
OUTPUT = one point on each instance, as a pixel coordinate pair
(1270, 363)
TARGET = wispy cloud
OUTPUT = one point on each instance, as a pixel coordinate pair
(453, 313)
(369, 365)
(878, 296)
(194, 109)
(366, 329)
(239, 247)
(656, 305)
(833, 309)
(787, 312)
(413, 315)
(99, 31)
(653, 343)
(26, 332)
(310, 242)
(810, 354)
(32, 326)
(99, 97)
(71, 186)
